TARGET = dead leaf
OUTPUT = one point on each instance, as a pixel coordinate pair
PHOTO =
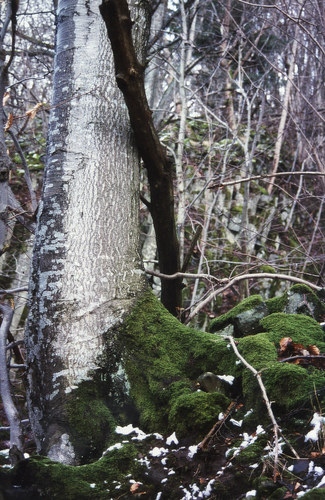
(134, 489)
(5, 98)
(296, 486)
(9, 123)
(313, 350)
(32, 112)
(285, 342)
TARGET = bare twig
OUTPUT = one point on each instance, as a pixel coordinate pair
(218, 185)
(276, 429)
(204, 443)
(14, 290)
(16, 442)
(26, 170)
(307, 358)
(227, 283)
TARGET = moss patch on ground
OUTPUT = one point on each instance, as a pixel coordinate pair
(163, 360)
(84, 482)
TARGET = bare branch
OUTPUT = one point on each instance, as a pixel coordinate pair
(16, 442)
(230, 282)
(14, 290)
(262, 177)
(276, 429)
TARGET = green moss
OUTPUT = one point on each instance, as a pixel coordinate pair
(253, 453)
(315, 494)
(97, 480)
(226, 319)
(300, 288)
(237, 209)
(258, 350)
(300, 328)
(267, 269)
(91, 421)
(194, 414)
(288, 384)
(163, 360)
(277, 304)
(279, 493)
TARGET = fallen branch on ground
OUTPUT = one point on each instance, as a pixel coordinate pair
(276, 429)
(204, 443)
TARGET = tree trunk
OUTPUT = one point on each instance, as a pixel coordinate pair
(86, 270)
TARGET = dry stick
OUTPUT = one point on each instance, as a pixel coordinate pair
(230, 282)
(14, 290)
(308, 357)
(205, 441)
(130, 79)
(266, 400)
(218, 185)
(284, 114)
(276, 429)
(227, 283)
(16, 443)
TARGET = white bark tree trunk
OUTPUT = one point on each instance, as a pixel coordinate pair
(86, 270)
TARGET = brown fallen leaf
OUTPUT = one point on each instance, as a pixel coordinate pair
(285, 342)
(134, 487)
(313, 349)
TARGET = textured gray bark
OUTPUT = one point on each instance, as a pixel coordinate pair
(86, 270)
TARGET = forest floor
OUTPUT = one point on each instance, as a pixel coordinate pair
(229, 463)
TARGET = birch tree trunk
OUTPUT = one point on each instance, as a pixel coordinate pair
(86, 270)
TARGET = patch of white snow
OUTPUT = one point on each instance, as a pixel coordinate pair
(172, 439)
(227, 378)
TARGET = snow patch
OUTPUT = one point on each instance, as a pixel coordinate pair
(238, 423)
(157, 452)
(116, 446)
(227, 378)
(192, 451)
(317, 422)
(172, 439)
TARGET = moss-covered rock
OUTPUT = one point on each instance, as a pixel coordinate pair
(299, 299)
(253, 453)
(195, 413)
(92, 423)
(287, 384)
(315, 494)
(244, 317)
(300, 328)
